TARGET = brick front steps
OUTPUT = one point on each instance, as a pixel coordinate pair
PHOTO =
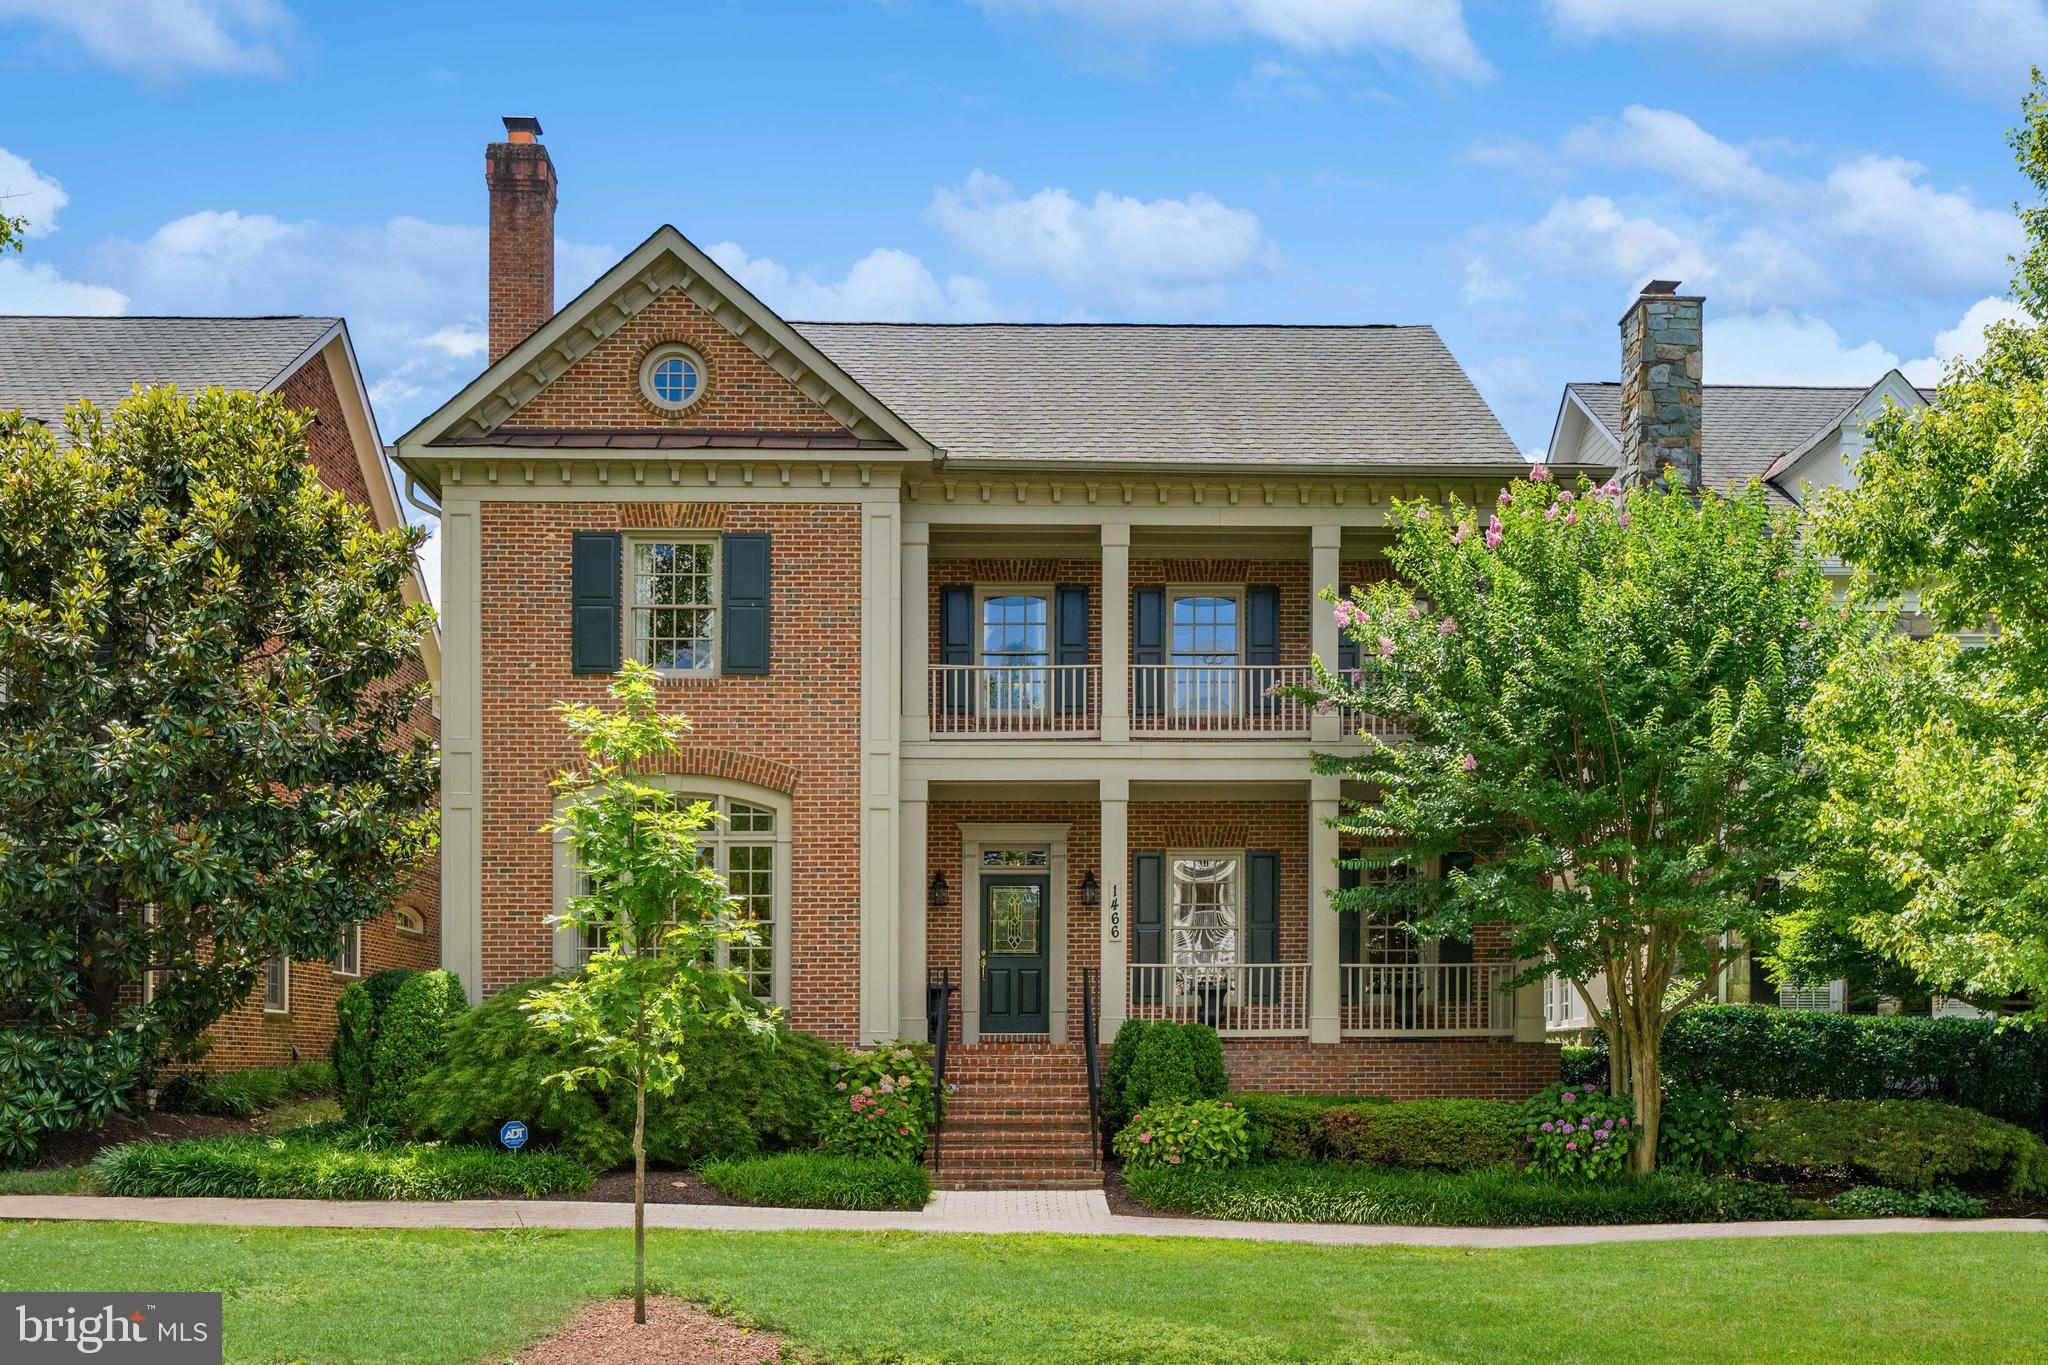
(1017, 1118)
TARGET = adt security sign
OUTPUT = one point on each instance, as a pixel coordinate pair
(513, 1134)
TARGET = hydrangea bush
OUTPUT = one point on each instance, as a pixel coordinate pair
(1577, 1132)
(1194, 1135)
(880, 1103)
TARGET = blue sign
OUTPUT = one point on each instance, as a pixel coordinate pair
(513, 1134)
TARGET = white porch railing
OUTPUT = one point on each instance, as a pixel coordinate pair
(1217, 699)
(1015, 701)
(1442, 999)
(1238, 1000)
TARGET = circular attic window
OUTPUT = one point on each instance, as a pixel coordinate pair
(672, 377)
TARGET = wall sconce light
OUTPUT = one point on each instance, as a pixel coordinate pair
(1091, 894)
(939, 890)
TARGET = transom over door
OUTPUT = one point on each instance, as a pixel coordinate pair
(1013, 967)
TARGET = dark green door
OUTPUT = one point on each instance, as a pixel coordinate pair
(1013, 976)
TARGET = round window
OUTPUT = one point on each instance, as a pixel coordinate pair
(672, 377)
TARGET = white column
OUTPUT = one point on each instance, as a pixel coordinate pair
(912, 823)
(917, 630)
(1528, 1011)
(462, 871)
(880, 691)
(1114, 794)
(1323, 940)
(1116, 637)
(1323, 570)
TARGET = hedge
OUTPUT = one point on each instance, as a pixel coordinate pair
(356, 1012)
(1287, 1127)
(1803, 1054)
(1910, 1144)
(411, 1032)
(330, 1161)
(1291, 1192)
(817, 1180)
(1442, 1134)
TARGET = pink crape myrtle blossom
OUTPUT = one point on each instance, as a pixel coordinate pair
(1386, 646)
(1471, 765)
(1539, 474)
(1345, 614)
(1449, 626)
(1507, 499)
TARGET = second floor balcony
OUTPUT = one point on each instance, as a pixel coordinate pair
(1172, 700)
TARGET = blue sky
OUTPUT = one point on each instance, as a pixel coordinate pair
(1831, 174)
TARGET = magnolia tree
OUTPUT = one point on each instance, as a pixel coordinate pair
(1933, 839)
(1596, 689)
(207, 749)
(665, 918)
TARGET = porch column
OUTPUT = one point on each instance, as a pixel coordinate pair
(1527, 1004)
(917, 630)
(1116, 646)
(1114, 794)
(1324, 543)
(912, 824)
(1324, 944)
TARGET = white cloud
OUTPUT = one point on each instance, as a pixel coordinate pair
(1983, 45)
(463, 340)
(29, 195)
(36, 287)
(1169, 255)
(1668, 142)
(883, 286)
(1914, 229)
(1482, 285)
(1778, 346)
(1591, 234)
(161, 38)
(1432, 32)
(1509, 381)
(1964, 341)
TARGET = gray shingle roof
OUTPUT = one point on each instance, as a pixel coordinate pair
(1743, 427)
(1139, 394)
(48, 362)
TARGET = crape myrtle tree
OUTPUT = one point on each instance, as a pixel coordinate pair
(665, 917)
(1597, 690)
(1934, 838)
(206, 757)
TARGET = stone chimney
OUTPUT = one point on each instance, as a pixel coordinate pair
(1660, 388)
(522, 184)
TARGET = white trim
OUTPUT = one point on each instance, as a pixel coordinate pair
(632, 641)
(352, 937)
(973, 839)
(264, 992)
(673, 350)
(1238, 858)
(398, 924)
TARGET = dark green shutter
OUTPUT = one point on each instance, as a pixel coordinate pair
(1262, 918)
(1148, 917)
(1148, 646)
(1261, 646)
(594, 602)
(1070, 646)
(956, 646)
(748, 558)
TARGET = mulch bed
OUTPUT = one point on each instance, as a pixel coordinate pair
(1121, 1200)
(77, 1148)
(675, 1333)
(663, 1187)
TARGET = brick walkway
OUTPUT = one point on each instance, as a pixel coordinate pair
(1075, 1212)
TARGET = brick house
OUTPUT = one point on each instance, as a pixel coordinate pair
(975, 626)
(47, 363)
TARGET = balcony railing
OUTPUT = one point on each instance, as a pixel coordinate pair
(1450, 998)
(1015, 701)
(1217, 699)
(1238, 1000)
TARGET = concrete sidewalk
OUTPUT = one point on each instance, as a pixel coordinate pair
(1069, 1212)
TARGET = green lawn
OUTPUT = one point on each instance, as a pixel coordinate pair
(305, 1295)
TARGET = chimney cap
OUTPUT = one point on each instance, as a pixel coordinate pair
(1653, 287)
(521, 129)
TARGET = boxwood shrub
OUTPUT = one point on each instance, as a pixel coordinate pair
(1288, 1127)
(356, 1012)
(410, 1034)
(819, 1180)
(1436, 1135)
(1909, 1144)
(330, 1161)
(740, 1093)
(1801, 1054)
(1328, 1192)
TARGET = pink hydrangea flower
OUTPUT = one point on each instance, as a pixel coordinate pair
(1549, 1127)
(1174, 1160)
(1144, 1137)
(1570, 1098)
(1571, 1146)
(1422, 512)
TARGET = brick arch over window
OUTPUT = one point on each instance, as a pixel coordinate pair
(730, 765)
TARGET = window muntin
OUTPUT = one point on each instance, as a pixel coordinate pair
(1016, 645)
(1016, 857)
(673, 604)
(1384, 938)
(744, 849)
(672, 377)
(1204, 904)
(277, 985)
(408, 920)
(348, 960)
(1206, 645)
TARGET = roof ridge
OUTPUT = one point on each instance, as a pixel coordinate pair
(1157, 326)
(175, 317)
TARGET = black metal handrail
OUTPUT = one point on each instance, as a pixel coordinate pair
(938, 997)
(1091, 1034)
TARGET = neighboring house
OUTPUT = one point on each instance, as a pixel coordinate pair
(47, 363)
(1796, 439)
(976, 626)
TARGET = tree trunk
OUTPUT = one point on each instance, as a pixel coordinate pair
(1647, 1081)
(640, 1196)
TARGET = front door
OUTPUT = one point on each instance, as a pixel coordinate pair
(1013, 975)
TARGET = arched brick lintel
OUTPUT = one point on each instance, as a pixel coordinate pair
(730, 765)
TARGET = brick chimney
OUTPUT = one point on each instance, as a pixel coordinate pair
(522, 183)
(1660, 388)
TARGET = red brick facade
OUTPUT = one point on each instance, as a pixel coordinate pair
(1400, 1068)
(794, 731)
(522, 192)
